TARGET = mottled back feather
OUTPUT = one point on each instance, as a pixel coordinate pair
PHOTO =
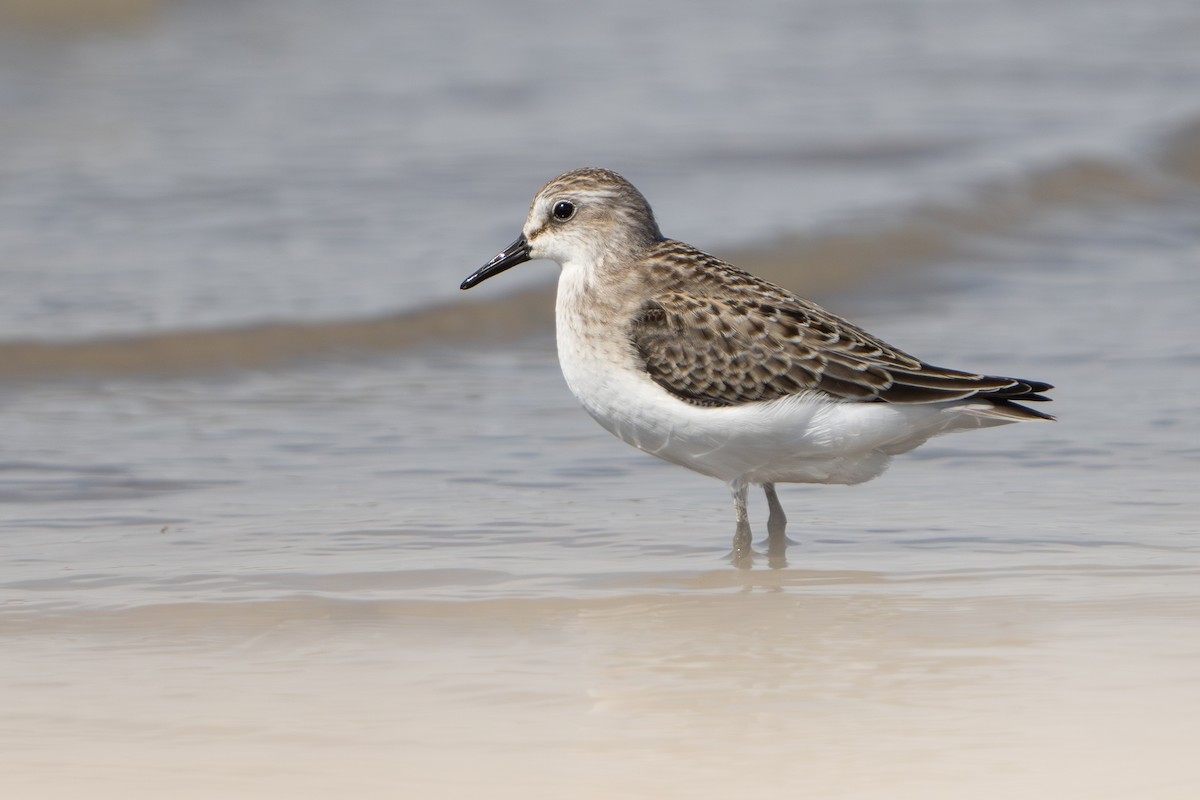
(714, 335)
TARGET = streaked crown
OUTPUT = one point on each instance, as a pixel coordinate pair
(587, 216)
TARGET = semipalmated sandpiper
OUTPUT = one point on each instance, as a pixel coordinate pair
(707, 366)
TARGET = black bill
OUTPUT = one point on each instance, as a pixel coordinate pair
(515, 253)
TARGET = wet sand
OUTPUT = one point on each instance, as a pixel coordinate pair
(806, 683)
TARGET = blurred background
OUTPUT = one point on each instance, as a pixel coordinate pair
(190, 164)
(284, 513)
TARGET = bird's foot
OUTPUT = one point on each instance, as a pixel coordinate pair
(777, 544)
(742, 555)
(778, 541)
(743, 559)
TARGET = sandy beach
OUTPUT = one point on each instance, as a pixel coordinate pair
(834, 684)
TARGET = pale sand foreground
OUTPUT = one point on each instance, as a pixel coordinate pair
(799, 684)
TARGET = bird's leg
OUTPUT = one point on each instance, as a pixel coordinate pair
(777, 540)
(777, 522)
(743, 552)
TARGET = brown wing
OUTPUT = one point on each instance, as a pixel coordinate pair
(730, 348)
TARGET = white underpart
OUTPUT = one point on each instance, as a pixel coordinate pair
(800, 439)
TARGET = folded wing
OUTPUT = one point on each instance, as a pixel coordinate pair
(731, 348)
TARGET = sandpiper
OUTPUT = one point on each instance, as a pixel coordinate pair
(707, 366)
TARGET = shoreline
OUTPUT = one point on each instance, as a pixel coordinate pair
(815, 264)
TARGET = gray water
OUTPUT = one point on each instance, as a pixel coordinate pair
(226, 163)
(379, 569)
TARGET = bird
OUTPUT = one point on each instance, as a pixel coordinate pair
(702, 364)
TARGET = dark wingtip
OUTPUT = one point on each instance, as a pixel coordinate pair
(1036, 387)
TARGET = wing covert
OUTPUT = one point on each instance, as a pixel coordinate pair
(723, 351)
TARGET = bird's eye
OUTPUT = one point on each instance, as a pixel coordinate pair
(563, 210)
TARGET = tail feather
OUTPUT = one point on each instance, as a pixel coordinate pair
(1005, 408)
(1024, 390)
(938, 385)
